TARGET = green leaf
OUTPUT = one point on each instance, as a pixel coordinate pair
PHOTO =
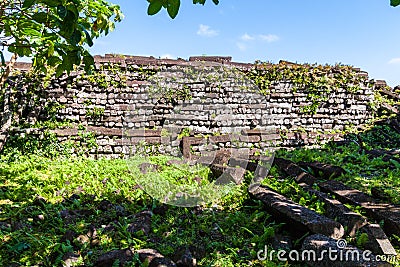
(50, 52)
(74, 57)
(154, 7)
(88, 60)
(76, 37)
(62, 11)
(68, 25)
(89, 40)
(40, 17)
(31, 32)
(3, 61)
(60, 70)
(52, 3)
(202, 2)
(54, 61)
(216, 2)
(28, 3)
(173, 8)
(72, 8)
(394, 2)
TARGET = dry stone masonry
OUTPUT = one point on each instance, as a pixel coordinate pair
(122, 98)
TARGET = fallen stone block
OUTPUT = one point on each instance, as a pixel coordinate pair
(107, 259)
(294, 170)
(389, 213)
(227, 174)
(322, 251)
(299, 218)
(244, 163)
(328, 171)
(351, 221)
(378, 242)
(152, 257)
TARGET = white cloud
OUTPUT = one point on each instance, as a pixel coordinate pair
(269, 37)
(206, 31)
(246, 37)
(241, 46)
(167, 56)
(395, 60)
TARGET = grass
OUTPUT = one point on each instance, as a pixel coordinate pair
(42, 199)
(51, 205)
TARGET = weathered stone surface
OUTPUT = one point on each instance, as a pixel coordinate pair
(224, 108)
(142, 133)
(141, 222)
(109, 258)
(222, 157)
(226, 174)
(298, 217)
(148, 167)
(221, 138)
(389, 213)
(351, 221)
(154, 258)
(244, 163)
(295, 171)
(69, 259)
(328, 171)
(322, 251)
(378, 242)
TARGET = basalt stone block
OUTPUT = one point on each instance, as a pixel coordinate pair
(328, 171)
(352, 221)
(300, 219)
(294, 170)
(389, 213)
(377, 242)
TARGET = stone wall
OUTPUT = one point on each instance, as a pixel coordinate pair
(124, 103)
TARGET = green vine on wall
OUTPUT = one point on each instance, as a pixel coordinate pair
(110, 75)
(317, 81)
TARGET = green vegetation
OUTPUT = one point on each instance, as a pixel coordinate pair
(95, 113)
(317, 81)
(50, 202)
(363, 172)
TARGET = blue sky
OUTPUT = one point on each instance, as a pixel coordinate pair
(362, 33)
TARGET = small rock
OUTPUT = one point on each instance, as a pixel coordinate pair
(107, 259)
(282, 242)
(148, 167)
(141, 222)
(187, 260)
(83, 239)
(154, 258)
(68, 236)
(69, 259)
(92, 233)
